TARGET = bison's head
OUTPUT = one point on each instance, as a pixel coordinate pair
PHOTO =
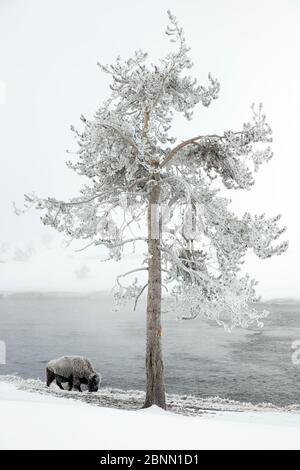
(93, 382)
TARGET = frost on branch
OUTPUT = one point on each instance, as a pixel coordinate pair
(232, 156)
(230, 302)
(127, 149)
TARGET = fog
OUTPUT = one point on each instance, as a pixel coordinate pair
(48, 77)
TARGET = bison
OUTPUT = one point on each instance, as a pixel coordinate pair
(70, 372)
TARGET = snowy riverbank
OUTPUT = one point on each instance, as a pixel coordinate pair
(34, 420)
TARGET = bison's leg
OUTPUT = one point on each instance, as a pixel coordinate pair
(76, 384)
(50, 377)
(58, 383)
(71, 383)
(62, 381)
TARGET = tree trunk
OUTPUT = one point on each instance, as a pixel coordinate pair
(155, 388)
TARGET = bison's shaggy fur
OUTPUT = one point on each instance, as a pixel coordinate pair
(71, 372)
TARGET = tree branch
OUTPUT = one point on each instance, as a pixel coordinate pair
(111, 245)
(138, 296)
(192, 141)
(130, 272)
(120, 133)
(121, 243)
(139, 181)
(183, 144)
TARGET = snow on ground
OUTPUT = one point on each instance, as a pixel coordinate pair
(31, 420)
(134, 399)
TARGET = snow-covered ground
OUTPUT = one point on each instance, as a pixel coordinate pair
(32, 420)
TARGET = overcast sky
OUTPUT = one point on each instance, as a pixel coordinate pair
(48, 77)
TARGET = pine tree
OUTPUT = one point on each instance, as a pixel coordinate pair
(139, 175)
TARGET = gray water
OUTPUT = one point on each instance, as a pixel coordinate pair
(201, 359)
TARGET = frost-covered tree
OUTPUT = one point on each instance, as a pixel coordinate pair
(138, 176)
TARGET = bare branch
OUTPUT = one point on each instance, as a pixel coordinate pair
(108, 244)
(85, 247)
(130, 272)
(138, 296)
